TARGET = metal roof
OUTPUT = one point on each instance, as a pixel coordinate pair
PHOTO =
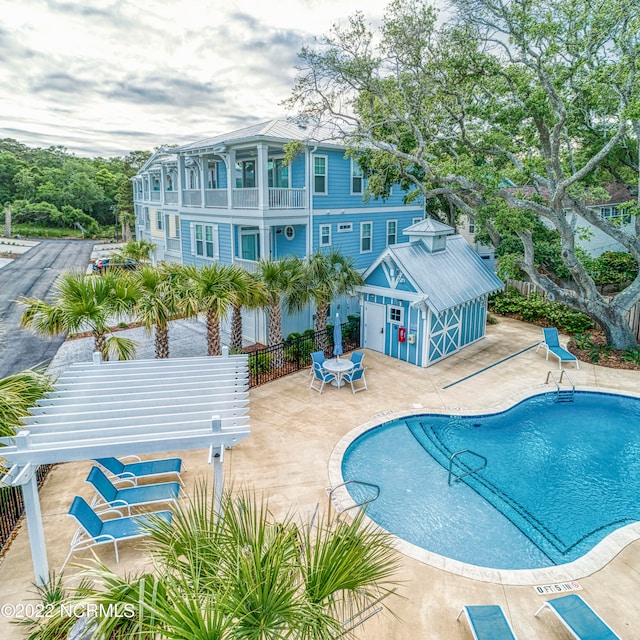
(138, 406)
(446, 278)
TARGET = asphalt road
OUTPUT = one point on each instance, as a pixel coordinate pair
(33, 275)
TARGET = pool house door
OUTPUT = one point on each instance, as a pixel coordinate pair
(374, 324)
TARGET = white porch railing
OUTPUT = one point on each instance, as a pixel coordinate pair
(191, 198)
(280, 198)
(171, 197)
(215, 198)
(249, 265)
(155, 196)
(173, 244)
(245, 198)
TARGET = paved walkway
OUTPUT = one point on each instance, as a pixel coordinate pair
(287, 456)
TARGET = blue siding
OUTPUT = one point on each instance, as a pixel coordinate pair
(474, 321)
(297, 168)
(222, 175)
(348, 242)
(283, 247)
(224, 243)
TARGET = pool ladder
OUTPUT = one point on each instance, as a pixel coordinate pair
(357, 504)
(566, 394)
(466, 473)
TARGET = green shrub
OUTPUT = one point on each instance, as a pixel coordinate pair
(632, 355)
(299, 350)
(259, 363)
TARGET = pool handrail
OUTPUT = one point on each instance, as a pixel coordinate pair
(468, 473)
(356, 504)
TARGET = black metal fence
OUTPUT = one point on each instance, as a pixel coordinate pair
(12, 508)
(271, 363)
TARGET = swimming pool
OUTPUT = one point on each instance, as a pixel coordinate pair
(559, 478)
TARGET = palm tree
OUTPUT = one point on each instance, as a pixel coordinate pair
(18, 393)
(208, 290)
(86, 303)
(329, 275)
(140, 250)
(157, 304)
(241, 573)
(249, 292)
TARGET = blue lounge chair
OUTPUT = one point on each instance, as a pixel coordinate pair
(133, 496)
(141, 469)
(356, 375)
(488, 622)
(320, 377)
(94, 530)
(581, 620)
(552, 344)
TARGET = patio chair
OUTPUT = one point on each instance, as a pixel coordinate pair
(356, 358)
(579, 618)
(108, 494)
(320, 377)
(487, 622)
(141, 469)
(551, 342)
(356, 375)
(317, 357)
(94, 530)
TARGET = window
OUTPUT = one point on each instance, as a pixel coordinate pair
(246, 174)
(205, 240)
(392, 232)
(192, 179)
(169, 182)
(416, 220)
(365, 237)
(289, 232)
(356, 177)
(395, 315)
(278, 173)
(320, 175)
(159, 220)
(212, 175)
(345, 227)
(615, 214)
(325, 235)
(472, 226)
(147, 220)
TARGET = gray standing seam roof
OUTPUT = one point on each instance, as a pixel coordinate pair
(448, 278)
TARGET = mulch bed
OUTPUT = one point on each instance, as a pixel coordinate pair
(612, 358)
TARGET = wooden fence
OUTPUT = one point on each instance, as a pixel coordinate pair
(527, 288)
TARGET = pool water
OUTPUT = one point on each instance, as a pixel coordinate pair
(559, 478)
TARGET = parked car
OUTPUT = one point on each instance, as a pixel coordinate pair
(101, 265)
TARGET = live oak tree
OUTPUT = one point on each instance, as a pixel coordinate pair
(540, 94)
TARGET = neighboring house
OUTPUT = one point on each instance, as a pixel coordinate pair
(426, 299)
(232, 199)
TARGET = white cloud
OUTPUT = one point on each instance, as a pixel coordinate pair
(105, 77)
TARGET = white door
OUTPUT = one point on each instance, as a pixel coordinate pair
(374, 324)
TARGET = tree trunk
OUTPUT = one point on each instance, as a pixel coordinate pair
(100, 344)
(321, 326)
(615, 324)
(162, 342)
(275, 335)
(236, 330)
(213, 334)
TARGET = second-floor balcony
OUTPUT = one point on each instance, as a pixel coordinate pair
(191, 198)
(216, 198)
(155, 196)
(245, 198)
(171, 197)
(280, 198)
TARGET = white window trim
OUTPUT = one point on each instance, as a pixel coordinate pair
(293, 232)
(345, 227)
(399, 322)
(416, 220)
(355, 165)
(362, 224)
(216, 241)
(326, 175)
(159, 220)
(395, 233)
(320, 243)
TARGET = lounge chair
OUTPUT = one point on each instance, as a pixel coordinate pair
(579, 618)
(133, 496)
(320, 377)
(94, 530)
(487, 622)
(141, 469)
(356, 375)
(552, 344)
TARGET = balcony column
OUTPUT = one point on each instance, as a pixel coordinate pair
(180, 176)
(163, 183)
(265, 241)
(203, 179)
(230, 159)
(262, 171)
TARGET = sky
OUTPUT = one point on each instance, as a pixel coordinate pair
(107, 77)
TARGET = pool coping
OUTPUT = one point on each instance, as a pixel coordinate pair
(594, 560)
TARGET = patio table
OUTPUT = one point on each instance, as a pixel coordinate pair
(339, 367)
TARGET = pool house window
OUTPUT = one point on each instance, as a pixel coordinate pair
(365, 237)
(320, 175)
(395, 315)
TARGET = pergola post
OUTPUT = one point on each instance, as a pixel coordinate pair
(218, 461)
(36, 531)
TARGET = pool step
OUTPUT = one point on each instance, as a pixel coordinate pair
(565, 395)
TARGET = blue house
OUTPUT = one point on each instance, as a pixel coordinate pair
(426, 299)
(231, 198)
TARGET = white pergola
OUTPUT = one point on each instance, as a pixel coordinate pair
(102, 409)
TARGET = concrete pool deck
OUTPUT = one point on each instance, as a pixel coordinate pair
(295, 431)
